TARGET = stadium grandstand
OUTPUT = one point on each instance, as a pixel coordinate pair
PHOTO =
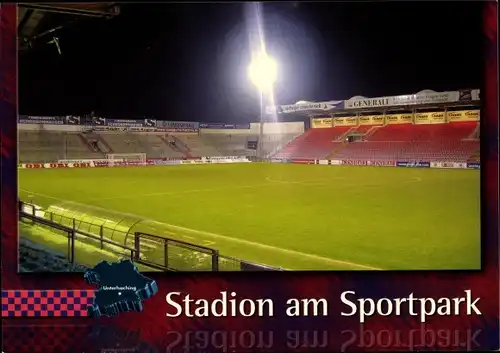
(435, 131)
(423, 130)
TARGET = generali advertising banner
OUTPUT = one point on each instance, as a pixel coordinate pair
(421, 98)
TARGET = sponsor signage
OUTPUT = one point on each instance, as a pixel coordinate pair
(448, 165)
(371, 120)
(32, 165)
(142, 129)
(367, 103)
(345, 121)
(47, 120)
(170, 162)
(57, 165)
(351, 121)
(149, 122)
(72, 120)
(463, 115)
(406, 118)
(108, 128)
(354, 162)
(302, 161)
(413, 164)
(124, 123)
(224, 126)
(98, 121)
(392, 119)
(180, 126)
(425, 98)
(305, 106)
(422, 98)
(382, 163)
(366, 163)
(365, 120)
(83, 160)
(468, 95)
(231, 159)
(321, 123)
(437, 117)
(277, 160)
(399, 118)
(473, 165)
(423, 118)
(476, 95)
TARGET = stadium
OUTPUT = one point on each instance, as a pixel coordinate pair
(386, 183)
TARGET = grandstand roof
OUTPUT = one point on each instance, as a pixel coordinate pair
(38, 23)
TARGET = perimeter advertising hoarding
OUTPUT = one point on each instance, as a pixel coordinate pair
(224, 126)
(124, 123)
(180, 126)
(73, 120)
(47, 120)
(406, 164)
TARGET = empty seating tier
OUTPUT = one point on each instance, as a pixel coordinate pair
(405, 142)
(314, 144)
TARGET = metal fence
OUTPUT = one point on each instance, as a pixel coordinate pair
(74, 236)
(154, 252)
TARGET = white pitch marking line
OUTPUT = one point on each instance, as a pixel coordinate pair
(310, 182)
(179, 192)
(227, 238)
(328, 182)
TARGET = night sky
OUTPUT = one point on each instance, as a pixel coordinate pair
(188, 61)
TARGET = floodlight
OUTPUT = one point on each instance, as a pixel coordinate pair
(262, 72)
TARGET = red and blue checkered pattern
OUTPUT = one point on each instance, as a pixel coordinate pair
(46, 303)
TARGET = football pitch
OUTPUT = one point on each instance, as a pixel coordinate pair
(298, 217)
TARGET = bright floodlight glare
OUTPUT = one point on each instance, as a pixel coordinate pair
(262, 72)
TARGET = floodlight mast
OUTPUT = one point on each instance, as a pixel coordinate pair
(262, 72)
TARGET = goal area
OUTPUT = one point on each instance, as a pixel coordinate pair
(132, 158)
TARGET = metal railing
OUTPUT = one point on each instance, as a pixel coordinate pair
(158, 253)
(72, 234)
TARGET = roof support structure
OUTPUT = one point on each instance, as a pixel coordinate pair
(30, 16)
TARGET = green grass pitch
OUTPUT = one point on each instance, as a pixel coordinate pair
(298, 217)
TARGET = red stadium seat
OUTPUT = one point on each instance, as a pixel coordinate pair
(454, 142)
(314, 143)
